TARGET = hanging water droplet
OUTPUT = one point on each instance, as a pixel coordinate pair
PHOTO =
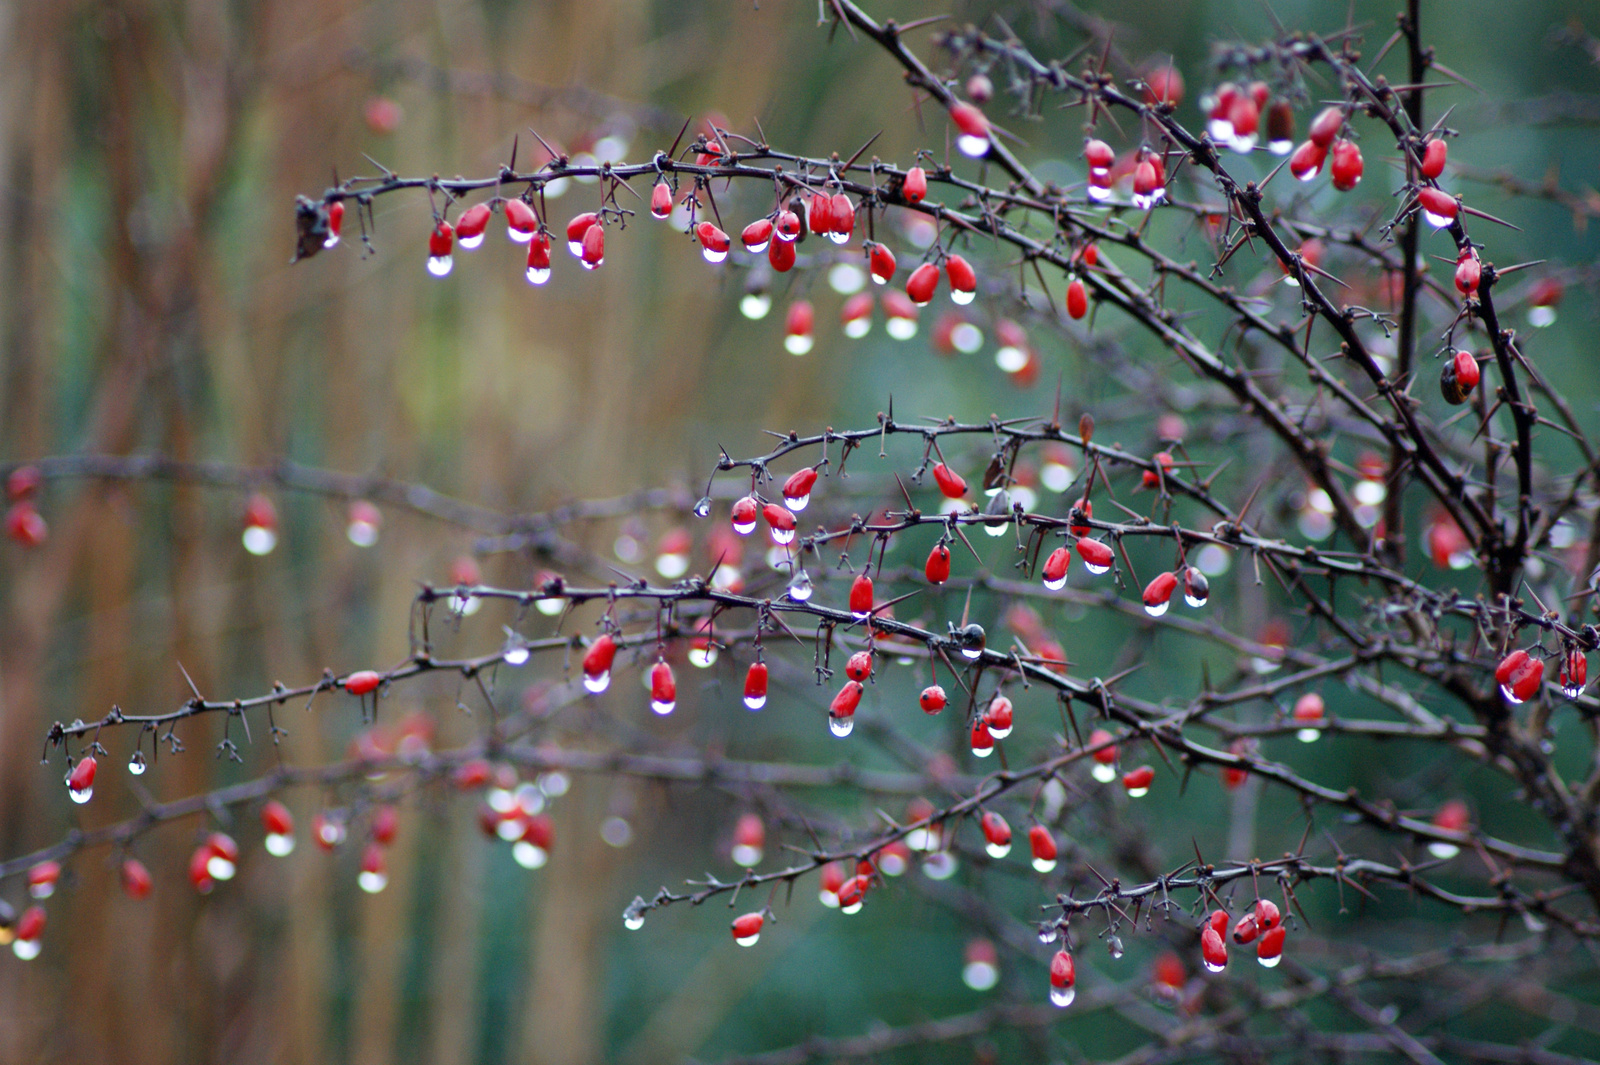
(1443, 851)
(136, 764)
(703, 657)
(550, 607)
(538, 275)
(440, 265)
(755, 305)
(632, 921)
(972, 145)
(996, 850)
(1213, 967)
(714, 256)
(1308, 735)
(220, 868)
(755, 702)
(1114, 946)
(279, 846)
(1104, 773)
(663, 706)
(1505, 690)
(529, 855)
(1056, 586)
(980, 975)
(81, 795)
(940, 865)
(1155, 610)
(1269, 963)
(747, 941)
(597, 682)
(1062, 996)
(259, 540)
(782, 536)
(517, 655)
(744, 528)
(800, 587)
(841, 726)
(26, 949)
(1049, 933)
(1044, 865)
(1094, 569)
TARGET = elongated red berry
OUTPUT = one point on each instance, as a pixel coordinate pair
(787, 226)
(1158, 593)
(757, 235)
(1055, 568)
(80, 782)
(844, 219)
(972, 127)
(538, 259)
(819, 214)
(277, 821)
(755, 686)
(597, 662)
(949, 481)
(780, 523)
(1099, 155)
(998, 717)
(577, 228)
(30, 926)
(1468, 373)
(1439, 208)
(998, 834)
(1077, 299)
(1508, 665)
(363, 682)
(1269, 951)
(135, 879)
(1213, 951)
(663, 688)
(798, 335)
(937, 568)
(335, 223)
(744, 514)
(714, 243)
(1347, 166)
(1063, 975)
(1325, 127)
(471, 225)
(747, 929)
(440, 242)
(1096, 556)
(847, 700)
(861, 596)
(1306, 162)
(42, 878)
(1526, 680)
(881, 262)
(661, 200)
(982, 739)
(1043, 845)
(963, 279)
(797, 489)
(1137, 781)
(1434, 157)
(932, 700)
(594, 247)
(915, 186)
(1468, 273)
(859, 666)
(25, 526)
(385, 824)
(922, 284)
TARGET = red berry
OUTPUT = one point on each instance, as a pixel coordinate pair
(932, 699)
(1574, 673)
(747, 929)
(363, 682)
(335, 223)
(1098, 155)
(963, 279)
(577, 228)
(663, 688)
(1270, 950)
(781, 255)
(950, 482)
(30, 926)
(1347, 165)
(757, 235)
(1526, 680)
(1096, 555)
(42, 877)
(200, 871)
(861, 596)
(23, 483)
(1433, 158)
(853, 892)
(849, 698)
(780, 521)
(982, 739)
(471, 225)
(597, 660)
(1138, 781)
(1325, 127)
(277, 821)
(1163, 84)
(844, 218)
(922, 284)
(798, 327)
(973, 128)
(797, 489)
(1213, 951)
(1468, 273)
(81, 779)
(1439, 208)
(1043, 845)
(539, 259)
(1309, 707)
(135, 879)
(661, 200)
(787, 227)
(594, 247)
(755, 686)
(1077, 299)
(1306, 162)
(1063, 974)
(881, 261)
(1467, 370)
(937, 569)
(998, 717)
(744, 515)
(997, 832)
(714, 243)
(1158, 593)
(1055, 568)
(915, 186)
(819, 214)
(1085, 507)
(859, 666)
(440, 242)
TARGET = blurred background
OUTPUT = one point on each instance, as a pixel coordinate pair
(151, 152)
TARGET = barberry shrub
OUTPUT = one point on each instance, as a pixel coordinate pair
(1076, 518)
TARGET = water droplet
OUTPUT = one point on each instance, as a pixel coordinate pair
(466, 605)
(510, 828)
(372, 882)
(702, 657)
(783, 536)
(971, 145)
(538, 275)
(279, 846)
(1194, 602)
(1443, 851)
(220, 868)
(1044, 865)
(846, 278)
(1062, 996)
(1505, 690)
(440, 265)
(997, 850)
(901, 328)
(81, 795)
(1098, 194)
(1114, 946)
(1437, 221)
(982, 752)
(841, 726)
(529, 855)
(980, 975)
(714, 256)
(632, 921)
(828, 899)
(550, 607)
(940, 865)
(672, 566)
(854, 907)
(744, 528)
(26, 949)
(798, 503)
(517, 655)
(798, 343)
(1010, 359)
(755, 305)
(1212, 967)
(1221, 130)
(1138, 793)
(1056, 586)
(1308, 735)
(663, 706)
(137, 764)
(1540, 317)
(856, 328)
(962, 296)
(839, 238)
(1049, 933)
(1105, 774)
(746, 855)
(1270, 963)
(597, 682)
(471, 242)
(1155, 610)
(1096, 570)
(702, 509)
(1243, 145)
(259, 540)
(747, 941)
